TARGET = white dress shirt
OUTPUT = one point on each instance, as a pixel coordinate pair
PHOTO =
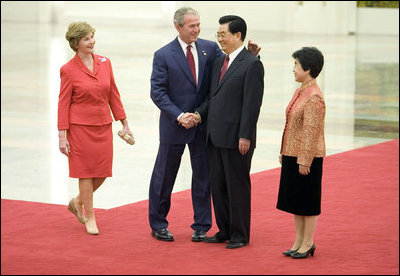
(194, 53)
(234, 54)
(195, 57)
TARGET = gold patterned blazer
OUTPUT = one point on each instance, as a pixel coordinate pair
(303, 136)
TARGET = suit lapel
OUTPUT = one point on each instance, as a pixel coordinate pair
(215, 77)
(96, 64)
(202, 56)
(180, 57)
(83, 68)
(231, 69)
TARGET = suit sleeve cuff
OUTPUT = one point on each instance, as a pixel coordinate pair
(197, 113)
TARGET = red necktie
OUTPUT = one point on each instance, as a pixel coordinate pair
(190, 59)
(224, 68)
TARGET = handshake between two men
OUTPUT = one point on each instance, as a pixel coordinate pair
(189, 120)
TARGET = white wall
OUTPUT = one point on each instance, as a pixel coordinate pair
(377, 21)
(26, 11)
(136, 13)
(323, 17)
(310, 17)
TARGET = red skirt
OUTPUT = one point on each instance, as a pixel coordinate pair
(91, 153)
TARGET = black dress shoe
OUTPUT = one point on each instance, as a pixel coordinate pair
(199, 235)
(233, 245)
(214, 239)
(297, 255)
(289, 252)
(162, 235)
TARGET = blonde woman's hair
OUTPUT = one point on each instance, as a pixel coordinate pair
(75, 32)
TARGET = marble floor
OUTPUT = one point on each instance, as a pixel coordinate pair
(360, 81)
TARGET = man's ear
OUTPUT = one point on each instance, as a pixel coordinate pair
(178, 28)
(238, 35)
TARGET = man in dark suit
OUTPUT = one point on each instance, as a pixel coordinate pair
(180, 82)
(231, 112)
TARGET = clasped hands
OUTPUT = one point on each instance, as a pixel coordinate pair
(189, 120)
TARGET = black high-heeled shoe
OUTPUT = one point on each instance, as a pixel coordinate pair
(297, 255)
(289, 252)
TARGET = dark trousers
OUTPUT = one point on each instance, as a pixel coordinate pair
(231, 191)
(163, 179)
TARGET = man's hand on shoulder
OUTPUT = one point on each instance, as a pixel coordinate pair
(253, 48)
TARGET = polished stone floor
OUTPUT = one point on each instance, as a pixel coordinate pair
(360, 81)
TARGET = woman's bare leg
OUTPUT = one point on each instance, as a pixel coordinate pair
(299, 223)
(86, 195)
(308, 236)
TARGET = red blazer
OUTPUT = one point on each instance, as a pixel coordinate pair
(86, 98)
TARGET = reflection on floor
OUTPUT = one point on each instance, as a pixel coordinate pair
(360, 81)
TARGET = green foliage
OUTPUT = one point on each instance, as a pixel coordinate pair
(378, 4)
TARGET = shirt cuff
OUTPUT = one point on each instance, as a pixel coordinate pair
(197, 113)
(179, 117)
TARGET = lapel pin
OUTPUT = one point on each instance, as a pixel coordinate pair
(102, 59)
(204, 53)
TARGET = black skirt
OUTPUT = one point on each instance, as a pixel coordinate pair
(300, 194)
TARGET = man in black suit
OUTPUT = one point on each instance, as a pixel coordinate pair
(231, 112)
(180, 82)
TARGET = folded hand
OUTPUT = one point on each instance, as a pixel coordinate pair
(244, 145)
(304, 170)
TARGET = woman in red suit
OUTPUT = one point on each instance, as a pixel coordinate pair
(87, 93)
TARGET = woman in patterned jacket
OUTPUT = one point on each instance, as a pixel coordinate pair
(302, 152)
